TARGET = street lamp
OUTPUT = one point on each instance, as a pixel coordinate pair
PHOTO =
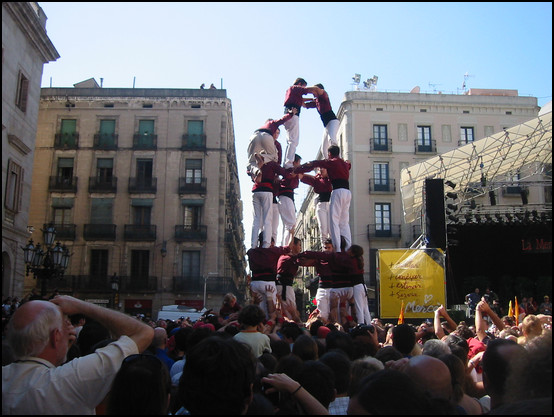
(115, 290)
(46, 265)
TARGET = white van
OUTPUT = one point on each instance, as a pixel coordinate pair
(174, 312)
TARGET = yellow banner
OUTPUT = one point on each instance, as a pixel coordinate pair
(415, 277)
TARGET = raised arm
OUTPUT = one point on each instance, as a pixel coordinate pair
(117, 323)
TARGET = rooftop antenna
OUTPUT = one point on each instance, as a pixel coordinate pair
(464, 88)
(433, 87)
(134, 78)
(101, 82)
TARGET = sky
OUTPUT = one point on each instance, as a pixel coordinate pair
(256, 50)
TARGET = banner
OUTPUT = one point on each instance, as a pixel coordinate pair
(415, 277)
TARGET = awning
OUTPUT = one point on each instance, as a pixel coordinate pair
(483, 165)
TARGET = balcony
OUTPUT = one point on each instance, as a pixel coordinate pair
(64, 284)
(95, 231)
(92, 283)
(380, 145)
(143, 185)
(64, 231)
(214, 285)
(106, 141)
(428, 147)
(380, 231)
(66, 140)
(382, 186)
(189, 186)
(193, 142)
(62, 184)
(138, 284)
(190, 233)
(139, 232)
(147, 141)
(102, 185)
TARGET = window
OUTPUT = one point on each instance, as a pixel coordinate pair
(192, 217)
(195, 130)
(65, 170)
(106, 135)
(99, 265)
(101, 210)
(381, 176)
(141, 215)
(382, 219)
(104, 170)
(140, 265)
(466, 135)
(22, 92)
(145, 137)
(62, 215)
(68, 133)
(380, 137)
(193, 171)
(424, 143)
(144, 171)
(14, 187)
(191, 264)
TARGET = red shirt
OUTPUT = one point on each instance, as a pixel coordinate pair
(320, 184)
(269, 171)
(272, 125)
(263, 262)
(293, 96)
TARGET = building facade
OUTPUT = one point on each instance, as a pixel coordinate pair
(25, 49)
(382, 133)
(142, 188)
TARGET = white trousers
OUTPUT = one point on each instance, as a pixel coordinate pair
(361, 305)
(329, 136)
(262, 204)
(339, 207)
(275, 222)
(268, 292)
(288, 217)
(322, 215)
(259, 141)
(323, 303)
(293, 135)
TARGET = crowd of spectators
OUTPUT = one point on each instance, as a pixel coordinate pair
(237, 362)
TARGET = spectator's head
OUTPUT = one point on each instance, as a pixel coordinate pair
(435, 348)
(496, 363)
(37, 328)
(341, 366)
(403, 338)
(531, 374)
(160, 338)
(319, 380)
(290, 331)
(531, 327)
(458, 346)
(432, 375)
(457, 375)
(290, 365)
(389, 392)
(217, 377)
(141, 386)
(305, 347)
(251, 315)
(388, 353)
(360, 369)
(229, 299)
(340, 340)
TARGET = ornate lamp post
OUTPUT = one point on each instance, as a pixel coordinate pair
(115, 290)
(49, 264)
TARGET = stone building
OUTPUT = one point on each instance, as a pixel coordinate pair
(142, 188)
(25, 49)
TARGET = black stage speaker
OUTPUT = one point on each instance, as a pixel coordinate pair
(435, 223)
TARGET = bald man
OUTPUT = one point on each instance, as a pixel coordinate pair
(432, 375)
(40, 333)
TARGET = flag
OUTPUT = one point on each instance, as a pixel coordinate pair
(516, 310)
(510, 310)
(401, 316)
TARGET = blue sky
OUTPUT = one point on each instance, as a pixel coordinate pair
(256, 50)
